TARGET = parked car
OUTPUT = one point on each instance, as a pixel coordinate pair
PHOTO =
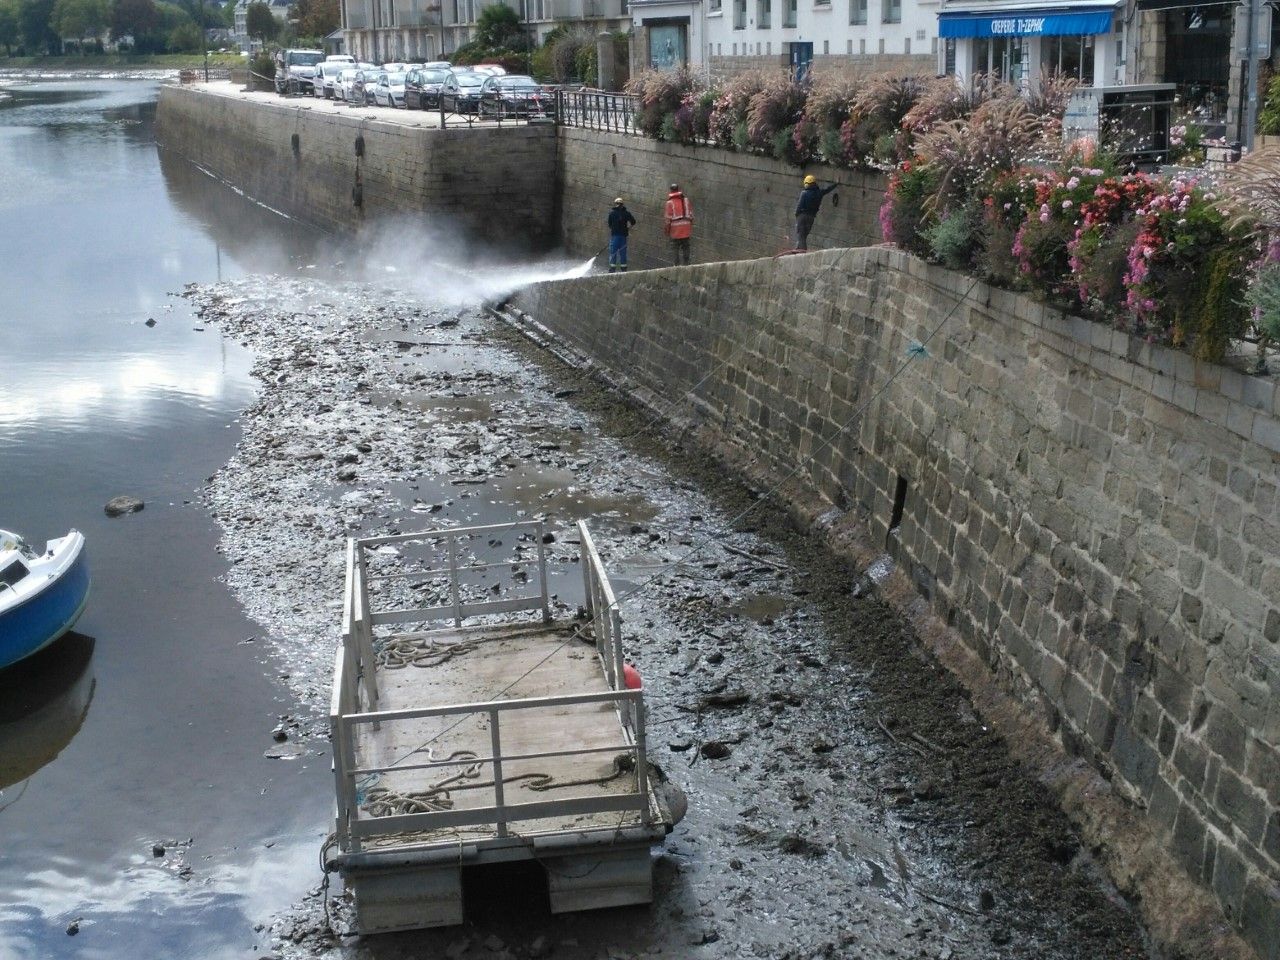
(389, 90)
(461, 92)
(437, 65)
(395, 66)
(513, 95)
(422, 88)
(339, 58)
(344, 87)
(492, 69)
(327, 76)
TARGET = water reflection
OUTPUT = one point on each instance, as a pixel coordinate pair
(94, 403)
(43, 703)
(258, 239)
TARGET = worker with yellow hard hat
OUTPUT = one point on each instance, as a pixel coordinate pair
(807, 209)
(620, 223)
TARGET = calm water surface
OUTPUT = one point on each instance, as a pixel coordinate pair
(151, 726)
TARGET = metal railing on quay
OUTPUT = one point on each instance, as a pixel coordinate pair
(598, 110)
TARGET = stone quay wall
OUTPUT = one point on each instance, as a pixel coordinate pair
(339, 171)
(1094, 518)
(525, 187)
(743, 205)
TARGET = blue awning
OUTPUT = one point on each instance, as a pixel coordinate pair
(1030, 23)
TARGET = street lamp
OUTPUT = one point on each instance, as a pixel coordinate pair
(204, 41)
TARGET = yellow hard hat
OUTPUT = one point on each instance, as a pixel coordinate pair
(810, 180)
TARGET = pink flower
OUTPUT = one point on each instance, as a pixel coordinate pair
(1044, 213)
(1066, 204)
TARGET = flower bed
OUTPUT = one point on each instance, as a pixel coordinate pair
(980, 180)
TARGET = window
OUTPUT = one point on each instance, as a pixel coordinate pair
(949, 57)
(739, 14)
(715, 6)
(763, 10)
(11, 575)
(858, 11)
(906, 45)
(891, 11)
(999, 57)
(789, 13)
(1069, 56)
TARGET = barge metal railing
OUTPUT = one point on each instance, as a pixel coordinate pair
(355, 699)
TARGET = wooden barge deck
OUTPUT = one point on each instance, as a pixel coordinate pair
(502, 734)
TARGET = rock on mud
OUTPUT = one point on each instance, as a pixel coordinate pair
(119, 506)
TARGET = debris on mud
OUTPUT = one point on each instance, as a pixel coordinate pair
(844, 799)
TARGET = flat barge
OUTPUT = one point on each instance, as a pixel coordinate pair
(470, 727)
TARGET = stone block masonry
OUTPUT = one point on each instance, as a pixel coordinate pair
(743, 205)
(523, 187)
(1095, 518)
(339, 171)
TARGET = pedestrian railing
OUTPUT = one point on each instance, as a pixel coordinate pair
(595, 110)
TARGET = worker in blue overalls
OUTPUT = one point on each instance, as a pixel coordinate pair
(620, 223)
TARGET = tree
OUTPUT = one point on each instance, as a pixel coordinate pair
(82, 19)
(139, 19)
(260, 23)
(498, 26)
(35, 22)
(186, 38)
(9, 29)
(316, 18)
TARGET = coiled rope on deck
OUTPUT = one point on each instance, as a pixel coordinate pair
(384, 802)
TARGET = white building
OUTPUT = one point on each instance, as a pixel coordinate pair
(1019, 40)
(240, 33)
(864, 35)
(419, 30)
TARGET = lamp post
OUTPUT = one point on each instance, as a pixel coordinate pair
(204, 41)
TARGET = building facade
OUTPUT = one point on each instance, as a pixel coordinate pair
(1017, 41)
(421, 30)
(802, 35)
(668, 35)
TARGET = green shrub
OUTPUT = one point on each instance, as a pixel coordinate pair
(587, 63)
(1264, 297)
(951, 239)
(1220, 314)
(667, 129)
(831, 147)
(904, 214)
(1269, 115)
(263, 64)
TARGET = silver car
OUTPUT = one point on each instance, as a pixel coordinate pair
(388, 91)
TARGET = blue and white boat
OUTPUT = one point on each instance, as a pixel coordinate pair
(41, 594)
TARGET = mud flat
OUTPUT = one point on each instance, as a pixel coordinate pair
(845, 798)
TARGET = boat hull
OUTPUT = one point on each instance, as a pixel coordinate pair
(43, 617)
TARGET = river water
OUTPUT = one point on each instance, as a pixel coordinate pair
(148, 730)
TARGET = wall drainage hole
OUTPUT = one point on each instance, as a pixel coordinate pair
(899, 502)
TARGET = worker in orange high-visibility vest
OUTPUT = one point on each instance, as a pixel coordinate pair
(678, 222)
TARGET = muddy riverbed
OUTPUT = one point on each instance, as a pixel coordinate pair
(845, 800)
